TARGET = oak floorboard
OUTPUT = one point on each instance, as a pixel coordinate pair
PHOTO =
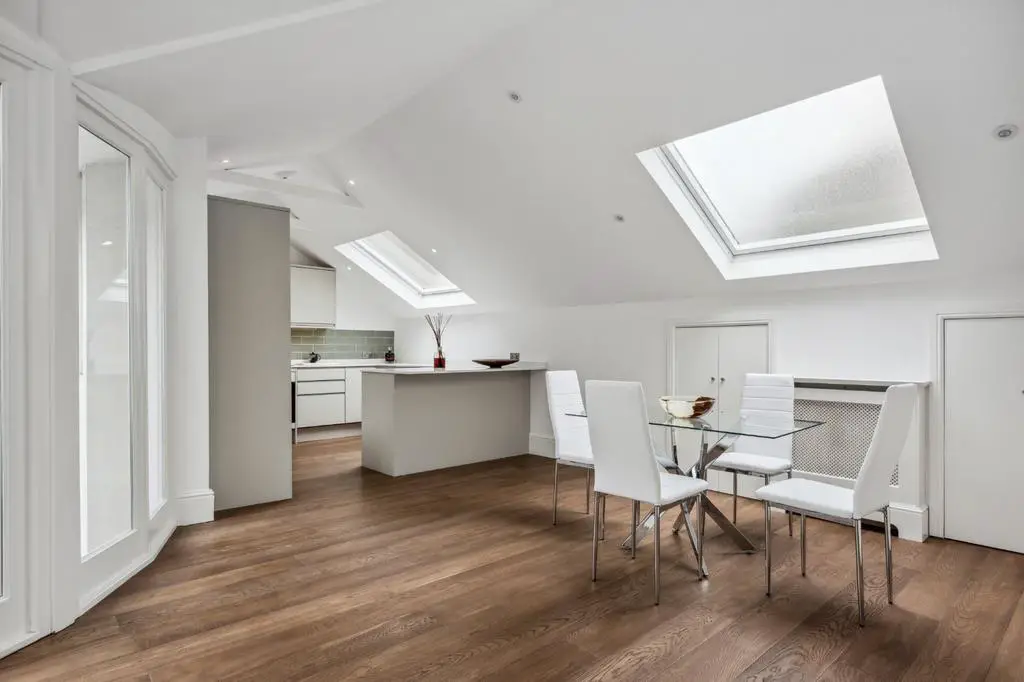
(459, 575)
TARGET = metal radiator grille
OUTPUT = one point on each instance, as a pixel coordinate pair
(838, 448)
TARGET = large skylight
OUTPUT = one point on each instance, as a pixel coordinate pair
(824, 170)
(394, 264)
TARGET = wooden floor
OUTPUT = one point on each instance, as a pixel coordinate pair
(459, 575)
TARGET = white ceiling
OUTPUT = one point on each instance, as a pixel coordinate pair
(411, 98)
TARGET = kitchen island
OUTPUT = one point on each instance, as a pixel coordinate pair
(421, 419)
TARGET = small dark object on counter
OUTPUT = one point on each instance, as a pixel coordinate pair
(389, 356)
(314, 357)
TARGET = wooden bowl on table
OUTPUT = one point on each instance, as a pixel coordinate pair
(686, 406)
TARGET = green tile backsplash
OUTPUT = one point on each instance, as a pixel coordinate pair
(340, 344)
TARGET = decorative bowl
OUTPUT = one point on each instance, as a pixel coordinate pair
(495, 363)
(686, 406)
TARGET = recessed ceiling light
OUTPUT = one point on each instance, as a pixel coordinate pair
(225, 160)
(351, 182)
(349, 267)
(433, 251)
(619, 218)
(515, 96)
(1005, 132)
(108, 243)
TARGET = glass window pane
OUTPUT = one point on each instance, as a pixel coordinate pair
(155, 344)
(105, 391)
(830, 162)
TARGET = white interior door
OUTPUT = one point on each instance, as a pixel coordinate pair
(742, 349)
(984, 430)
(694, 372)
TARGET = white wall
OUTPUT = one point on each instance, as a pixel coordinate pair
(188, 337)
(880, 332)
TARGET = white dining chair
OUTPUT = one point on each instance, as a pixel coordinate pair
(572, 439)
(870, 493)
(625, 465)
(767, 400)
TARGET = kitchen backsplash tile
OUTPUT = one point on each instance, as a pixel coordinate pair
(340, 344)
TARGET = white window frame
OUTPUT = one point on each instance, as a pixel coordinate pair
(398, 282)
(691, 187)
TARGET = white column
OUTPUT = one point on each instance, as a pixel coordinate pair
(188, 338)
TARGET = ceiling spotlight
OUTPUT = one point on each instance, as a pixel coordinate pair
(349, 267)
(351, 182)
(619, 218)
(108, 243)
(1005, 132)
(433, 251)
(515, 97)
(225, 160)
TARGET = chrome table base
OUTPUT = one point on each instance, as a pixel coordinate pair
(708, 455)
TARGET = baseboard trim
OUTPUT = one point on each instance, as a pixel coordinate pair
(194, 506)
(542, 446)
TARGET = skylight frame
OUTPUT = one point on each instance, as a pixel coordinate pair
(388, 273)
(690, 186)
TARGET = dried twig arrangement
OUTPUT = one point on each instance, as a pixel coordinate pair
(438, 323)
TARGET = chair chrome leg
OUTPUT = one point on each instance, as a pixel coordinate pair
(700, 536)
(735, 494)
(588, 490)
(632, 531)
(789, 515)
(888, 552)
(803, 545)
(858, 542)
(767, 548)
(601, 510)
(657, 555)
(554, 502)
(593, 566)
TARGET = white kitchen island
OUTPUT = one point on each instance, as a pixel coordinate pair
(421, 419)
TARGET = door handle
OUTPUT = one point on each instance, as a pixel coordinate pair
(712, 379)
(722, 379)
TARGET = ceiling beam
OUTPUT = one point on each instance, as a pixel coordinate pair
(139, 54)
(283, 187)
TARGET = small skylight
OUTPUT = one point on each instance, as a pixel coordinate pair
(394, 264)
(822, 171)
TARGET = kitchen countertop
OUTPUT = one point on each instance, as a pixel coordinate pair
(372, 362)
(461, 368)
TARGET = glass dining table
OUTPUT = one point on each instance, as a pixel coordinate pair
(718, 433)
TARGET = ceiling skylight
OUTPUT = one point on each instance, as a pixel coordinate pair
(825, 170)
(394, 264)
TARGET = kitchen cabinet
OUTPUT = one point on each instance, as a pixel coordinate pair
(353, 395)
(313, 295)
(319, 409)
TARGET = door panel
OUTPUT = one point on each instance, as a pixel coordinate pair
(984, 430)
(741, 350)
(694, 372)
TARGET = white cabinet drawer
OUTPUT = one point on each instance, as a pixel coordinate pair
(325, 374)
(319, 387)
(319, 410)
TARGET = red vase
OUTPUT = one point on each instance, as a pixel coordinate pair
(439, 360)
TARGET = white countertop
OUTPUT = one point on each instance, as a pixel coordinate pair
(372, 362)
(460, 368)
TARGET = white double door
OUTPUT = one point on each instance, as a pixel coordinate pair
(983, 390)
(713, 361)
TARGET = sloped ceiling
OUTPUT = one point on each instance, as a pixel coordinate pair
(521, 196)
(519, 199)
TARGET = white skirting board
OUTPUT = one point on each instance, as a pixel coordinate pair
(542, 446)
(194, 506)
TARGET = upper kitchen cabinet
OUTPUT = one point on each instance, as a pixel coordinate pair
(313, 297)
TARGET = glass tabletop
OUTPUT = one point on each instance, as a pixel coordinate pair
(734, 426)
